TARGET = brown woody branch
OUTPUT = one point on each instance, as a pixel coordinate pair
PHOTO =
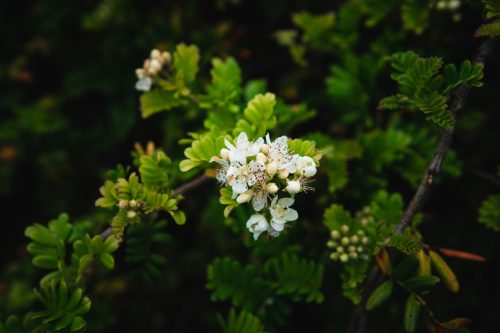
(458, 98)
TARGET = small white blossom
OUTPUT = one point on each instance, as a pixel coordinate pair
(257, 224)
(278, 152)
(144, 83)
(306, 166)
(281, 212)
(243, 148)
(240, 176)
(293, 187)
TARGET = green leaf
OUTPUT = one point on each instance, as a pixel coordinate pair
(201, 151)
(244, 322)
(158, 100)
(107, 260)
(406, 268)
(336, 216)
(421, 283)
(380, 295)
(387, 207)
(412, 312)
(228, 280)
(489, 212)
(258, 116)
(407, 242)
(186, 58)
(489, 29)
(296, 277)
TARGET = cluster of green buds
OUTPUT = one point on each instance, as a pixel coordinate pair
(347, 245)
(131, 207)
(364, 216)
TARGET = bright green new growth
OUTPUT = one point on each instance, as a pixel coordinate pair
(244, 322)
(489, 212)
(425, 88)
(491, 29)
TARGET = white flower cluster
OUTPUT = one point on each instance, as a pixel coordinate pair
(256, 171)
(152, 66)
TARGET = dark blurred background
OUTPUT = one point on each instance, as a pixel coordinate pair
(69, 112)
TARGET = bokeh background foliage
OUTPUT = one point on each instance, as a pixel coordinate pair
(70, 113)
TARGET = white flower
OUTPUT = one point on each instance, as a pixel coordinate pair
(221, 174)
(278, 153)
(306, 166)
(243, 148)
(144, 84)
(257, 224)
(293, 187)
(282, 213)
(240, 176)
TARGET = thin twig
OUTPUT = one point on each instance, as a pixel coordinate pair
(458, 98)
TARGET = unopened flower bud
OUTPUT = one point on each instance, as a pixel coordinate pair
(453, 4)
(133, 203)
(155, 54)
(335, 234)
(224, 153)
(344, 228)
(264, 149)
(166, 57)
(340, 249)
(344, 241)
(344, 257)
(139, 72)
(354, 239)
(293, 187)
(245, 197)
(364, 240)
(283, 174)
(122, 203)
(351, 248)
(360, 249)
(272, 168)
(334, 256)
(155, 64)
(331, 244)
(353, 255)
(272, 188)
(261, 158)
(131, 214)
(361, 233)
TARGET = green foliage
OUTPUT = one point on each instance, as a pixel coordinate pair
(415, 15)
(158, 100)
(353, 276)
(244, 322)
(317, 28)
(132, 197)
(186, 58)
(87, 251)
(387, 207)
(489, 30)
(228, 280)
(226, 199)
(424, 88)
(296, 277)
(201, 151)
(336, 216)
(412, 313)
(489, 212)
(141, 244)
(380, 295)
(12, 325)
(381, 148)
(48, 245)
(63, 310)
(407, 242)
(258, 116)
(224, 91)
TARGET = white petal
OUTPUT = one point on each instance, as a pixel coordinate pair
(259, 201)
(291, 215)
(286, 202)
(277, 226)
(268, 139)
(229, 145)
(251, 180)
(273, 203)
(255, 147)
(144, 84)
(242, 141)
(239, 185)
(237, 156)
